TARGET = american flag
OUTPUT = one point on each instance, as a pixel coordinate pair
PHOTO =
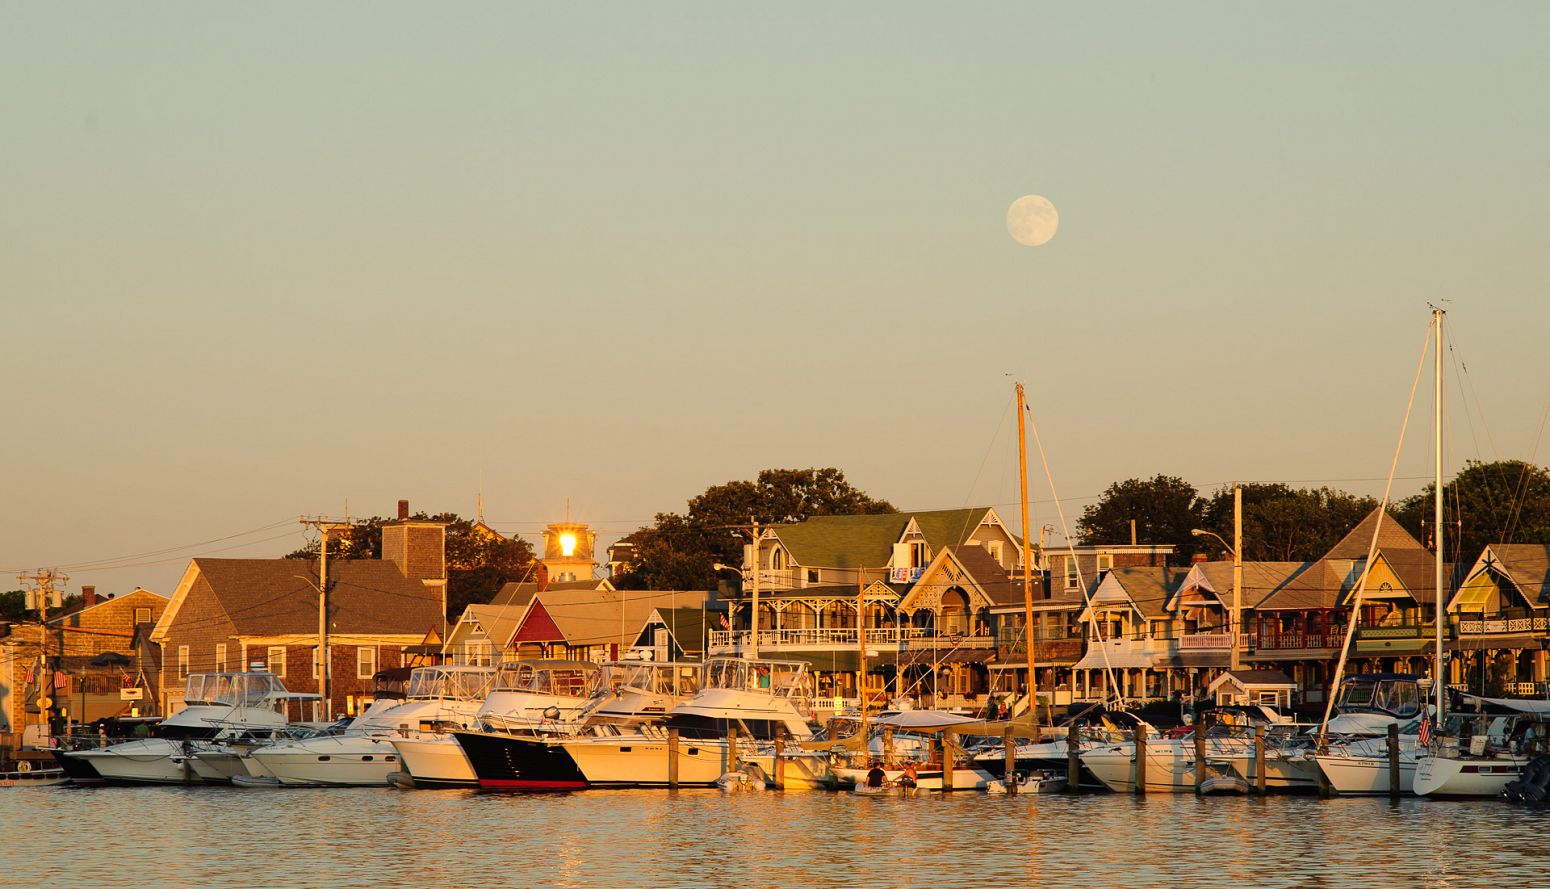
(1425, 734)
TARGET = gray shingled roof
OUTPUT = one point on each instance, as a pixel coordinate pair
(1527, 565)
(866, 541)
(270, 597)
(1391, 538)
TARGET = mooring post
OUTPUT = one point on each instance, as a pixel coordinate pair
(731, 759)
(948, 764)
(1394, 761)
(1200, 754)
(1259, 760)
(1074, 756)
(1141, 758)
(1009, 744)
(780, 760)
(672, 757)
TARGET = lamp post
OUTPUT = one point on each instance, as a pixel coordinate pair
(1237, 568)
(753, 635)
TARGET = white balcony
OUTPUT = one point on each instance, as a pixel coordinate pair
(822, 638)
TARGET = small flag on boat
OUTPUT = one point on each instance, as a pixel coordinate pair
(1425, 734)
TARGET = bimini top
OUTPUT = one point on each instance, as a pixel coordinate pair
(231, 689)
(450, 683)
(1463, 703)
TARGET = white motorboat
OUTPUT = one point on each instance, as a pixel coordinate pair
(218, 705)
(757, 699)
(24, 775)
(526, 697)
(1482, 752)
(438, 699)
(1356, 761)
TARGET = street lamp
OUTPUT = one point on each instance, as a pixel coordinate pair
(1237, 567)
(753, 636)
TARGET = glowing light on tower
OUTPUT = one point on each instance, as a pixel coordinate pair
(567, 544)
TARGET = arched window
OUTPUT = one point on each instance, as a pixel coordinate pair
(777, 559)
(955, 611)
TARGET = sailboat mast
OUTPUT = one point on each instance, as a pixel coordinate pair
(861, 652)
(1437, 677)
(1028, 629)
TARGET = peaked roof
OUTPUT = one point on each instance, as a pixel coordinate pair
(137, 594)
(852, 541)
(272, 597)
(1391, 538)
(687, 626)
(1261, 580)
(608, 616)
(1148, 588)
(1526, 565)
(499, 621)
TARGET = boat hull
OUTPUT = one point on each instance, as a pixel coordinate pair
(512, 763)
(347, 761)
(1366, 775)
(1446, 776)
(435, 762)
(144, 761)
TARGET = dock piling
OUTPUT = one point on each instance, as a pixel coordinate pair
(1259, 760)
(1009, 744)
(672, 758)
(1394, 761)
(1200, 754)
(1141, 759)
(1074, 756)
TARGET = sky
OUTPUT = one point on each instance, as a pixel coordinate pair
(260, 261)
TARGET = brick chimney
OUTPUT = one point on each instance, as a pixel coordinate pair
(403, 510)
(88, 595)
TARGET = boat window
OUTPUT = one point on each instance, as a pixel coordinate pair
(1357, 694)
(194, 688)
(1406, 698)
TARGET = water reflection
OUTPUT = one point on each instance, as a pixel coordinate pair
(221, 837)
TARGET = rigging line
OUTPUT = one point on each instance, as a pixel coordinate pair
(979, 473)
(1065, 529)
(171, 549)
(1372, 548)
(127, 565)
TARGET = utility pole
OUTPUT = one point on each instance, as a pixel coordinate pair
(42, 593)
(1237, 577)
(753, 638)
(324, 659)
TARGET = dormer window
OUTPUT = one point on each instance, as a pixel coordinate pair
(994, 548)
(1105, 562)
(920, 555)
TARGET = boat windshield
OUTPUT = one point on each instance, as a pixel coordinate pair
(783, 678)
(572, 680)
(1357, 695)
(231, 689)
(428, 683)
(668, 679)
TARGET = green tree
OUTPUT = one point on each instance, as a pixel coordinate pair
(13, 605)
(1281, 523)
(478, 564)
(1164, 509)
(1502, 501)
(678, 551)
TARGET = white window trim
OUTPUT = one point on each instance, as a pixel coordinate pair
(360, 650)
(317, 662)
(182, 661)
(269, 660)
(1071, 573)
(1105, 562)
(220, 657)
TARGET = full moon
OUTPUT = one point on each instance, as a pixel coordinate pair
(1032, 220)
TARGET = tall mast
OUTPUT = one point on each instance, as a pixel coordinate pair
(1437, 677)
(861, 654)
(1028, 629)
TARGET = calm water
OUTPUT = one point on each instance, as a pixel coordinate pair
(225, 837)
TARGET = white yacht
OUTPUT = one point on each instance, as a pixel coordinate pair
(1482, 752)
(526, 697)
(1171, 761)
(216, 706)
(1356, 762)
(437, 700)
(757, 698)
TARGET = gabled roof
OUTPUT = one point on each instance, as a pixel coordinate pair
(1148, 589)
(1391, 538)
(607, 616)
(687, 626)
(520, 593)
(968, 566)
(274, 597)
(1245, 678)
(140, 595)
(1525, 565)
(1261, 580)
(499, 622)
(866, 541)
(1312, 585)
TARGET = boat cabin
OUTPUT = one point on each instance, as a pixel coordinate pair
(449, 683)
(1395, 694)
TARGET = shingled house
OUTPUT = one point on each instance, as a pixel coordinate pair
(232, 614)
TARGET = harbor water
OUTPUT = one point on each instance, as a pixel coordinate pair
(227, 837)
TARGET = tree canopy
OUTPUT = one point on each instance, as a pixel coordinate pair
(1164, 509)
(1502, 501)
(678, 551)
(1281, 523)
(479, 562)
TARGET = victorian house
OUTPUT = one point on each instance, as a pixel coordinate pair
(1499, 621)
